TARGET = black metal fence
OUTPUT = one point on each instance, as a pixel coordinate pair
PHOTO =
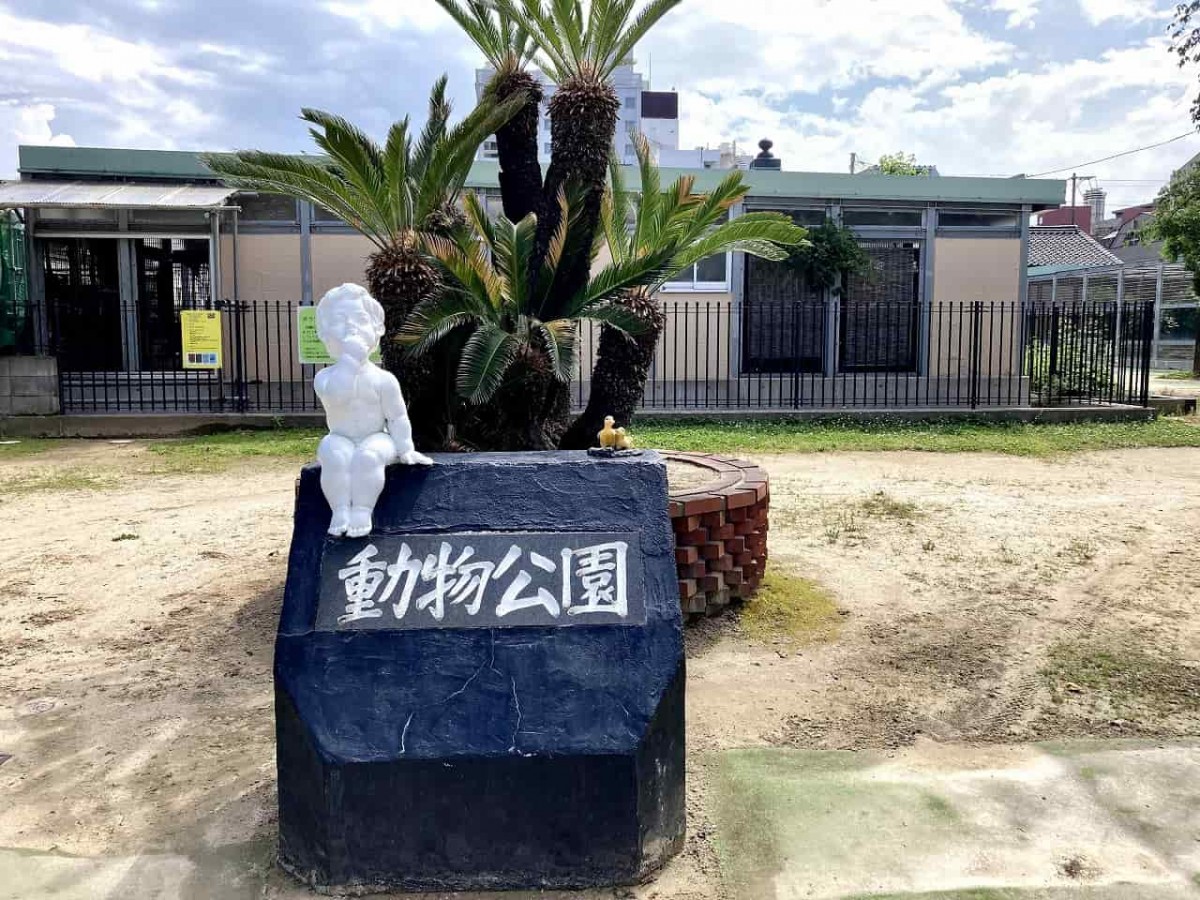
(713, 355)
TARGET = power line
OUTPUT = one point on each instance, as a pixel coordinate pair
(1093, 162)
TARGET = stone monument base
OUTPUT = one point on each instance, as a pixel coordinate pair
(492, 737)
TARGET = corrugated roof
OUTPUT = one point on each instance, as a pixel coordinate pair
(166, 165)
(1055, 246)
(106, 195)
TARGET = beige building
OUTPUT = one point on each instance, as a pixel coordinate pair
(120, 241)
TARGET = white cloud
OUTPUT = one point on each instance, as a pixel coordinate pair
(422, 15)
(26, 125)
(1099, 11)
(813, 45)
(1054, 115)
(1020, 12)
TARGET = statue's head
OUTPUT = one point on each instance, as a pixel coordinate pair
(349, 322)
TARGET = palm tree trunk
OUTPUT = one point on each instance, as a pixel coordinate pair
(619, 375)
(517, 145)
(400, 278)
(583, 116)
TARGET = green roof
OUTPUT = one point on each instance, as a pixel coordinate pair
(1039, 193)
(97, 162)
(92, 162)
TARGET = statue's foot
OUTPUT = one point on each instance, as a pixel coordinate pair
(340, 520)
(360, 522)
(413, 458)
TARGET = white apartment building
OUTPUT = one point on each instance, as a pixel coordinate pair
(653, 113)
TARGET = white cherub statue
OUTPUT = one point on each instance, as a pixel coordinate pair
(364, 409)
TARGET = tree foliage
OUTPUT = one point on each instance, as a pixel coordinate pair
(514, 316)
(386, 192)
(901, 164)
(1185, 40)
(831, 253)
(1176, 220)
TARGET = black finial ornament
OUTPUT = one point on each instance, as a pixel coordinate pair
(766, 159)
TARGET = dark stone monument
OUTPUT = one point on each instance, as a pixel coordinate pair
(487, 691)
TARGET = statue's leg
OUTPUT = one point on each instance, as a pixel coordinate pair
(335, 454)
(367, 471)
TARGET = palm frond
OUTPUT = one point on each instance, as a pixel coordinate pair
(759, 234)
(434, 319)
(559, 337)
(470, 268)
(486, 357)
(307, 179)
(591, 46)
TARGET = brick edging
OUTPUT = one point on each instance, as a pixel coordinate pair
(720, 533)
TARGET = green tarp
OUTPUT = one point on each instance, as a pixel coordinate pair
(14, 294)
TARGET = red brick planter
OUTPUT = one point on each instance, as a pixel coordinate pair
(720, 533)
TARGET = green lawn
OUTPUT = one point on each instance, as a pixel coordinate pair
(216, 451)
(1017, 439)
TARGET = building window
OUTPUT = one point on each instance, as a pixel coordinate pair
(546, 148)
(709, 274)
(808, 218)
(631, 102)
(977, 220)
(323, 216)
(895, 218)
(273, 208)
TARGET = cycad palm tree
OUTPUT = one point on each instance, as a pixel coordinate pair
(508, 49)
(396, 195)
(580, 45)
(687, 228)
(523, 339)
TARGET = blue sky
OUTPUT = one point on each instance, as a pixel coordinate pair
(974, 86)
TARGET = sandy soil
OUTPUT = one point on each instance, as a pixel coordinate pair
(979, 597)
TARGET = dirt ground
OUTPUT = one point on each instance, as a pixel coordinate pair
(979, 598)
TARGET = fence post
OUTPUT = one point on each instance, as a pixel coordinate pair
(1149, 330)
(1052, 367)
(795, 323)
(237, 310)
(1155, 349)
(976, 351)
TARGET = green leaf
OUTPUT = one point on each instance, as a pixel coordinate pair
(486, 358)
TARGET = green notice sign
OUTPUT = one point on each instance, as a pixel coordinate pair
(310, 347)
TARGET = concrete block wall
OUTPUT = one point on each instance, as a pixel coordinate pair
(28, 386)
(720, 533)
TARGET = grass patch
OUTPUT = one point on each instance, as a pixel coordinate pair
(213, 452)
(884, 506)
(1013, 438)
(1177, 375)
(26, 447)
(216, 451)
(74, 479)
(791, 609)
(1128, 676)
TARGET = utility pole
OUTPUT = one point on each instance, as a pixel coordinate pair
(1074, 184)
(853, 162)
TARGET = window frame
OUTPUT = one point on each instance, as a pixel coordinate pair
(693, 286)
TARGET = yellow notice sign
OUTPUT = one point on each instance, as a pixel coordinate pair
(310, 347)
(201, 338)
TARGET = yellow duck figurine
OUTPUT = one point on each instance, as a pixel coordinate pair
(607, 434)
(624, 441)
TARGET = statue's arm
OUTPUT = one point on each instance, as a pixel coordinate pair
(398, 426)
(396, 413)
